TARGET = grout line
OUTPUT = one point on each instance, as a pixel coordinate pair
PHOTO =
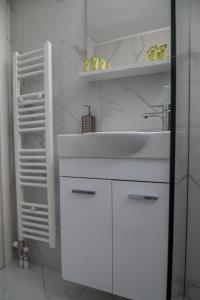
(194, 181)
(181, 180)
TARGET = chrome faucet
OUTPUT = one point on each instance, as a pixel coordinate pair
(164, 114)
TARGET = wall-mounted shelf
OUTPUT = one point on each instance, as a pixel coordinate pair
(128, 71)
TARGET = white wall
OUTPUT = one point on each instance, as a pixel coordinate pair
(117, 104)
(5, 217)
(114, 19)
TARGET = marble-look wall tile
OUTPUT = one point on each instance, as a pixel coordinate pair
(124, 100)
(182, 61)
(195, 66)
(195, 154)
(180, 209)
(117, 104)
(5, 97)
(181, 154)
(70, 93)
(195, 63)
(193, 248)
(193, 244)
(132, 50)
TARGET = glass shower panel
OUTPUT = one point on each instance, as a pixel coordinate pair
(181, 139)
(193, 240)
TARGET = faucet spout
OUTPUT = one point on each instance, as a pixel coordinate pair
(152, 115)
(164, 114)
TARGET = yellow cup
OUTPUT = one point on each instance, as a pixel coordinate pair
(86, 65)
(162, 54)
(152, 53)
(95, 63)
(102, 64)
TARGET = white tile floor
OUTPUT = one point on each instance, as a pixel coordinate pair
(43, 284)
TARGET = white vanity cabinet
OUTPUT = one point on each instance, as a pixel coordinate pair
(86, 229)
(140, 240)
(114, 226)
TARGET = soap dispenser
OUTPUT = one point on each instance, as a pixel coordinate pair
(88, 121)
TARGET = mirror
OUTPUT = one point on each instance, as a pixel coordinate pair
(127, 32)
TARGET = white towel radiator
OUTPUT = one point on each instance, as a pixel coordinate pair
(33, 114)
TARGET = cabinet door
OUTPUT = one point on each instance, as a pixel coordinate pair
(140, 240)
(86, 232)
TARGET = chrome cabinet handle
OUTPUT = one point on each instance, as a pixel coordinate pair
(143, 196)
(84, 192)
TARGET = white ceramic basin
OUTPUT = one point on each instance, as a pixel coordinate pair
(116, 144)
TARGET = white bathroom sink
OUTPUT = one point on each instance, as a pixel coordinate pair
(115, 144)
